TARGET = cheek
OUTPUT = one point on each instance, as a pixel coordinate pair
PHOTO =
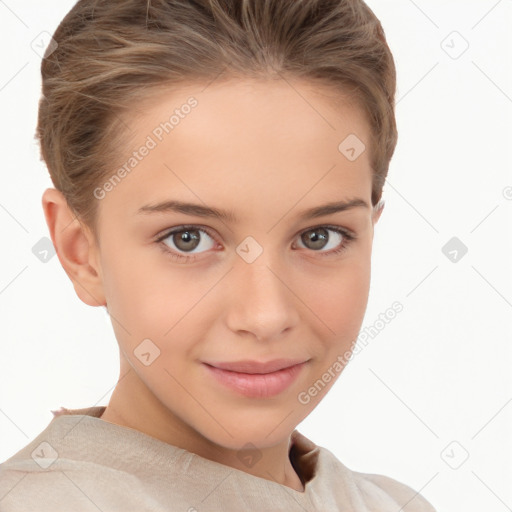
(150, 298)
(138, 295)
(340, 299)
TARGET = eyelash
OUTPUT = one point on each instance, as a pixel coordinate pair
(348, 239)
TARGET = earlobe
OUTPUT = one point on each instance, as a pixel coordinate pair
(74, 247)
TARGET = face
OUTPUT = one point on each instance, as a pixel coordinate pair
(265, 281)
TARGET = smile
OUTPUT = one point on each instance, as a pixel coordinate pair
(257, 385)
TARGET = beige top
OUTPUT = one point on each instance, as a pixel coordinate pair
(82, 463)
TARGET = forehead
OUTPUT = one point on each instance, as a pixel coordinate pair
(279, 103)
(251, 140)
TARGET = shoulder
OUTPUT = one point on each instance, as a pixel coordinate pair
(375, 488)
(372, 492)
(80, 485)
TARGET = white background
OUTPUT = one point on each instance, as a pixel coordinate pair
(438, 373)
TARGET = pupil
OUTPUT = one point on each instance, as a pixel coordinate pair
(318, 237)
(185, 238)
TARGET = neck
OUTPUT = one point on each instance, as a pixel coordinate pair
(133, 405)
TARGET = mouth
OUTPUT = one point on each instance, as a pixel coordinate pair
(256, 380)
(256, 367)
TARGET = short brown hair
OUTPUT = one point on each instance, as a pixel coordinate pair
(112, 53)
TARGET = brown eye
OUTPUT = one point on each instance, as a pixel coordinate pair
(321, 240)
(315, 238)
(187, 240)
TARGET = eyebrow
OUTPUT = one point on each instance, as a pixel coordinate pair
(229, 216)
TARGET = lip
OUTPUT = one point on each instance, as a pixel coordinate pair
(258, 380)
(247, 366)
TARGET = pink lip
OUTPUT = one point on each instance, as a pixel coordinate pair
(247, 366)
(259, 380)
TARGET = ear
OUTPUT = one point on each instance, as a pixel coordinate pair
(377, 211)
(75, 247)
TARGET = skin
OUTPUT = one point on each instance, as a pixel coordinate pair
(266, 152)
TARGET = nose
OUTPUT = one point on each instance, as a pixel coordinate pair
(259, 299)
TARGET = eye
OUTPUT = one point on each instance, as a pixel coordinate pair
(188, 239)
(318, 238)
(186, 242)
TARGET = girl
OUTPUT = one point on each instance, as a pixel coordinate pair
(259, 132)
